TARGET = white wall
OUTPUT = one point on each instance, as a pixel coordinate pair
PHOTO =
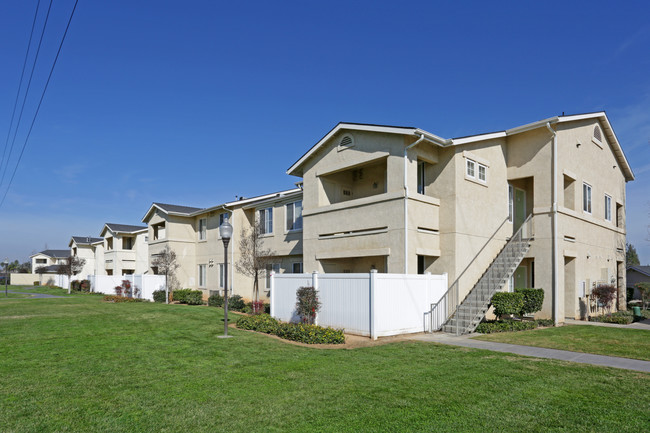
(370, 304)
(146, 283)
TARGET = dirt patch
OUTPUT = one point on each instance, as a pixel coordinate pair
(351, 341)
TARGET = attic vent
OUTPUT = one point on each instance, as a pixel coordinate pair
(346, 141)
(597, 134)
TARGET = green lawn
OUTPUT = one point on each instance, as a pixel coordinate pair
(33, 289)
(600, 340)
(78, 364)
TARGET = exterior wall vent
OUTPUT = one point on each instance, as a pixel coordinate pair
(597, 134)
(346, 141)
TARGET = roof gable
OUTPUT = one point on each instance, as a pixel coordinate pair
(55, 254)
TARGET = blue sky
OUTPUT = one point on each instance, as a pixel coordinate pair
(195, 102)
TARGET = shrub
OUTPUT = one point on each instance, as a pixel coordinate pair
(113, 298)
(533, 300)
(118, 290)
(84, 286)
(195, 297)
(236, 303)
(301, 332)
(492, 326)
(507, 303)
(307, 304)
(605, 294)
(36, 283)
(159, 296)
(215, 300)
(180, 295)
(620, 317)
(629, 293)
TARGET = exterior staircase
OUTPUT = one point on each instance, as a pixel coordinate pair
(468, 314)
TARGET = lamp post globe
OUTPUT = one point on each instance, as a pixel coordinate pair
(225, 231)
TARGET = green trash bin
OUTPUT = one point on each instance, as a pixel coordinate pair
(636, 311)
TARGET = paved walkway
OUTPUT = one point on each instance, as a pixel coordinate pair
(538, 352)
(643, 324)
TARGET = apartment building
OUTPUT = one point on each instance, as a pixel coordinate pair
(85, 248)
(124, 249)
(49, 259)
(193, 234)
(403, 200)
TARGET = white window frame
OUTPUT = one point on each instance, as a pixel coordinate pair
(587, 191)
(290, 209)
(470, 168)
(608, 208)
(203, 275)
(266, 222)
(484, 179)
(203, 229)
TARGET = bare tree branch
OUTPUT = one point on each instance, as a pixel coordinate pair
(254, 258)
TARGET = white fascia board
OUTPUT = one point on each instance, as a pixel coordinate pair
(226, 206)
(433, 137)
(475, 138)
(575, 117)
(529, 126)
(347, 126)
(274, 198)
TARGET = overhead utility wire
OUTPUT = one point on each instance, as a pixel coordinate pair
(31, 126)
(29, 84)
(20, 84)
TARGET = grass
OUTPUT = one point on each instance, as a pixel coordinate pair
(78, 364)
(600, 340)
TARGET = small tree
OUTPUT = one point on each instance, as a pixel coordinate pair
(254, 258)
(644, 290)
(533, 301)
(631, 256)
(166, 263)
(72, 266)
(605, 294)
(307, 305)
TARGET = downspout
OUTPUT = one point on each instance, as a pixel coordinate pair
(554, 258)
(406, 198)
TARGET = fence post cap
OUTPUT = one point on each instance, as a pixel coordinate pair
(373, 271)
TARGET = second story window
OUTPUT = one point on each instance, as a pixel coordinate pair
(586, 197)
(203, 229)
(109, 243)
(265, 218)
(608, 208)
(471, 168)
(127, 243)
(421, 176)
(294, 216)
(159, 231)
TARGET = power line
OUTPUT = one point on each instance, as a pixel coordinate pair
(20, 84)
(29, 84)
(31, 126)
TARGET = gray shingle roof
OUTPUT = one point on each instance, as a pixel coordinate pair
(124, 228)
(177, 209)
(85, 240)
(56, 253)
(642, 269)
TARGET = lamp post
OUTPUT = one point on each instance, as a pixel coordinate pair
(225, 231)
(6, 263)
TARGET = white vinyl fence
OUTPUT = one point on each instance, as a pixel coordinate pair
(372, 304)
(146, 283)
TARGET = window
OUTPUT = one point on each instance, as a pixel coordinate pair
(586, 197)
(223, 217)
(221, 276)
(74, 251)
(608, 208)
(474, 172)
(482, 172)
(275, 267)
(127, 243)
(202, 275)
(109, 243)
(421, 176)
(294, 216)
(41, 261)
(511, 203)
(159, 231)
(470, 168)
(421, 265)
(203, 229)
(296, 268)
(266, 220)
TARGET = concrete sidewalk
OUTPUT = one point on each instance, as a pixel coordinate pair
(643, 324)
(538, 352)
(34, 295)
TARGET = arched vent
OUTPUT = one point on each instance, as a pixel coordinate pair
(346, 141)
(597, 135)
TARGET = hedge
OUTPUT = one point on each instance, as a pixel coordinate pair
(619, 317)
(117, 299)
(215, 300)
(533, 300)
(303, 333)
(159, 296)
(195, 297)
(493, 326)
(236, 303)
(507, 303)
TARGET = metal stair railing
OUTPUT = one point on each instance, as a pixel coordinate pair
(463, 317)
